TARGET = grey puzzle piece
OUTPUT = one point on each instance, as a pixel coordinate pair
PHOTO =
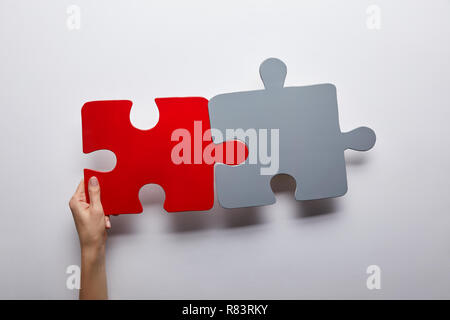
(311, 144)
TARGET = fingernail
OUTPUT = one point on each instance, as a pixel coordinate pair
(93, 181)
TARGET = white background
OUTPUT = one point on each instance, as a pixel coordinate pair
(394, 80)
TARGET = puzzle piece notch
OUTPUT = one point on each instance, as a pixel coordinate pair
(144, 156)
(311, 142)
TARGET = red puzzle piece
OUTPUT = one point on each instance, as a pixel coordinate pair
(146, 156)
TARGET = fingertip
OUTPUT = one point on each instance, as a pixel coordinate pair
(107, 222)
(80, 187)
(93, 182)
(94, 191)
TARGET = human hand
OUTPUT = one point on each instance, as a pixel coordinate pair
(90, 220)
(91, 224)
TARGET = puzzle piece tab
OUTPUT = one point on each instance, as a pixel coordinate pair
(311, 145)
(151, 156)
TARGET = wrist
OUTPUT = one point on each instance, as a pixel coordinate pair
(93, 252)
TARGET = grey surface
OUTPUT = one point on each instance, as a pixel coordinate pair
(395, 80)
(311, 145)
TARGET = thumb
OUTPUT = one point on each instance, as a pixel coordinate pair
(94, 192)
